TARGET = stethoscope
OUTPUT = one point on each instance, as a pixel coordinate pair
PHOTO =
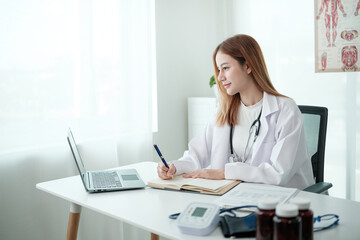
(254, 128)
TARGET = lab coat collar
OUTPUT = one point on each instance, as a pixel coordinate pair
(270, 104)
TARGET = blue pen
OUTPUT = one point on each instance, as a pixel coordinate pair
(160, 155)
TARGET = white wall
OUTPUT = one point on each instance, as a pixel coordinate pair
(187, 32)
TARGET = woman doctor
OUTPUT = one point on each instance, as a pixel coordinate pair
(257, 135)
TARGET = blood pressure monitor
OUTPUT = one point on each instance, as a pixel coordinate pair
(199, 218)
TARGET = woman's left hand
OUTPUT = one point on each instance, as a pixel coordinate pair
(215, 174)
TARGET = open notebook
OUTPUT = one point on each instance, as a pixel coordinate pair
(216, 187)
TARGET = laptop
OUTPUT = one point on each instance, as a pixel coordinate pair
(106, 180)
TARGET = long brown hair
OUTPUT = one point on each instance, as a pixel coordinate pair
(245, 50)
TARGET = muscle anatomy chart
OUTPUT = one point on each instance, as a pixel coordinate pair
(337, 41)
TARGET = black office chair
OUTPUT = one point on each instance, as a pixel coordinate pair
(315, 124)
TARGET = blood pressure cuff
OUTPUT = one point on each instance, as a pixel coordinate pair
(238, 226)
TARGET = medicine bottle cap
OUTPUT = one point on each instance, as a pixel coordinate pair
(287, 210)
(302, 203)
(268, 203)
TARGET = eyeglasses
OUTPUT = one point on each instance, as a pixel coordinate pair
(325, 221)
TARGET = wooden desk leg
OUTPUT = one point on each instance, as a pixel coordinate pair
(74, 219)
(154, 236)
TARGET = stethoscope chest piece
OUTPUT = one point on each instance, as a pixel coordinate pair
(233, 158)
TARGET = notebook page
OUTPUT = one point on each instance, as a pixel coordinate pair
(177, 181)
(213, 185)
(193, 183)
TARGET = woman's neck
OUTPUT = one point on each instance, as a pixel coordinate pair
(251, 97)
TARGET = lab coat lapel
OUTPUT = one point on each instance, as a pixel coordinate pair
(270, 105)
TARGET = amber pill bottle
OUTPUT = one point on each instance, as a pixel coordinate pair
(307, 217)
(264, 218)
(287, 223)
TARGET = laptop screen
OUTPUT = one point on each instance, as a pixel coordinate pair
(76, 154)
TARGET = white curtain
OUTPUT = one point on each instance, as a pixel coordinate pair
(84, 64)
(286, 36)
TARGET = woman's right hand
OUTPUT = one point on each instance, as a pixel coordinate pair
(164, 172)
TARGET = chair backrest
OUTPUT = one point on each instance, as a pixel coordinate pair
(315, 124)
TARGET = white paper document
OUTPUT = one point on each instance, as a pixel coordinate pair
(250, 193)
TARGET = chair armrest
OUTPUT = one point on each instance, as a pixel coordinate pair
(318, 187)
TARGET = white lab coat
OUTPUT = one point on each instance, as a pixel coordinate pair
(280, 155)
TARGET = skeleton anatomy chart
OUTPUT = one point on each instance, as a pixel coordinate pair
(337, 40)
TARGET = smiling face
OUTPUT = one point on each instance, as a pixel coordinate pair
(234, 77)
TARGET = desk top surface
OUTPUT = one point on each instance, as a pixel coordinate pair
(149, 208)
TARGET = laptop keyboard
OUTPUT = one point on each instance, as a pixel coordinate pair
(106, 180)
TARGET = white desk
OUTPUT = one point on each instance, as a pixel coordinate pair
(149, 208)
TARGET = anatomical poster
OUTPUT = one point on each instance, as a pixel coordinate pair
(337, 40)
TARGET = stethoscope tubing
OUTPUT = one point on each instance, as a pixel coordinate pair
(257, 130)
